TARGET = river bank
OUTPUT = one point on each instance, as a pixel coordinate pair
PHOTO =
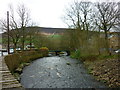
(106, 70)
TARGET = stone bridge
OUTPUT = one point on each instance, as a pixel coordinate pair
(57, 52)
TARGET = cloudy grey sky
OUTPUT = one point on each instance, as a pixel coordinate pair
(46, 13)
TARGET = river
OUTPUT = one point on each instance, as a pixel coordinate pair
(58, 72)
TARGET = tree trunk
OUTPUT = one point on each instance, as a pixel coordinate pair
(107, 44)
(23, 38)
(15, 47)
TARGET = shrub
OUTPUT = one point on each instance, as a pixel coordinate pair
(76, 54)
(13, 61)
(89, 57)
(44, 51)
(35, 56)
(97, 57)
(107, 56)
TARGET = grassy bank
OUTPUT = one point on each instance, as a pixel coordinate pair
(105, 68)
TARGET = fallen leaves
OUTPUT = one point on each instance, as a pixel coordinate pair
(107, 71)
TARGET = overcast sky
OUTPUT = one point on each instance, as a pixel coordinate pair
(46, 13)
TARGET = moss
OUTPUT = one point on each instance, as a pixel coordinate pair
(76, 54)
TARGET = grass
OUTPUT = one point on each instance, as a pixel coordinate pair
(76, 54)
(108, 56)
(97, 57)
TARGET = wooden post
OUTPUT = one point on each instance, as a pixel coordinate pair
(8, 32)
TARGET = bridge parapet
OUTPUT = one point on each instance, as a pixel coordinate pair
(58, 52)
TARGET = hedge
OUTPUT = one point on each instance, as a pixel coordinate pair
(13, 61)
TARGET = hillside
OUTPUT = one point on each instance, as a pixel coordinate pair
(46, 30)
(43, 30)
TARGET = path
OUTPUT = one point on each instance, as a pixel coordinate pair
(57, 72)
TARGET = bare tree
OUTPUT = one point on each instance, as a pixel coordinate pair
(78, 15)
(15, 33)
(108, 13)
(24, 19)
(17, 26)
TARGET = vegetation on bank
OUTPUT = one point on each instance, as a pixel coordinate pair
(18, 60)
(105, 68)
(106, 71)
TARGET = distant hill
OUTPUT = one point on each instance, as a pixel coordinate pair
(43, 30)
(46, 30)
